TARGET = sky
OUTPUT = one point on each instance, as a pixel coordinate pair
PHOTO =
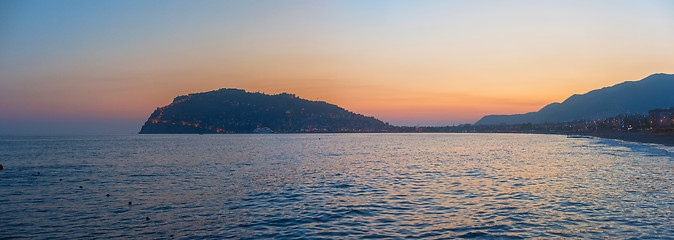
(102, 67)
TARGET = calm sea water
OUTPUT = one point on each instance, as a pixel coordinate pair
(331, 186)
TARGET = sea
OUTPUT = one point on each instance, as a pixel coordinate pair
(334, 186)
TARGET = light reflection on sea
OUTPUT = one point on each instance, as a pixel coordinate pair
(334, 186)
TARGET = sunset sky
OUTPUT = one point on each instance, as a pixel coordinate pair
(81, 66)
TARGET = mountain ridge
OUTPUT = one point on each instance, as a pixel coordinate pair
(230, 110)
(629, 97)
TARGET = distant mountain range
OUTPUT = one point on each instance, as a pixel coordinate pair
(238, 111)
(655, 91)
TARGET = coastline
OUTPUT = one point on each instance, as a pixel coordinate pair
(666, 139)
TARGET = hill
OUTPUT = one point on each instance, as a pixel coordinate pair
(238, 111)
(632, 97)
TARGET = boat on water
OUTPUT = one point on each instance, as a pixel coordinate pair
(263, 130)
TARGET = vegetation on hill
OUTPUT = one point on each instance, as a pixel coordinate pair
(238, 111)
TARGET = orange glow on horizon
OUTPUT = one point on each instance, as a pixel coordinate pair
(444, 62)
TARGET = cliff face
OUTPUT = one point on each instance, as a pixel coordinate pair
(655, 91)
(238, 111)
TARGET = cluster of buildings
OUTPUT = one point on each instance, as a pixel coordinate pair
(657, 121)
(661, 120)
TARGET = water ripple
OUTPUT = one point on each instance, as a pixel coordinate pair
(345, 186)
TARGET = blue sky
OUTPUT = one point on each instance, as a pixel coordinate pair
(104, 66)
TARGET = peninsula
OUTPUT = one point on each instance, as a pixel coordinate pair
(238, 111)
(634, 111)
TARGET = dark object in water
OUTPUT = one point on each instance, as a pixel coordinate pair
(81, 187)
(1, 167)
(38, 173)
(107, 195)
(60, 179)
(129, 202)
(147, 218)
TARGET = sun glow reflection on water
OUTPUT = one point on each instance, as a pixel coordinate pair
(335, 186)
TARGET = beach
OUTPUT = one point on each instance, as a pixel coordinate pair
(666, 139)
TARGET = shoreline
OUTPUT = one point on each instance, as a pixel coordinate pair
(666, 139)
